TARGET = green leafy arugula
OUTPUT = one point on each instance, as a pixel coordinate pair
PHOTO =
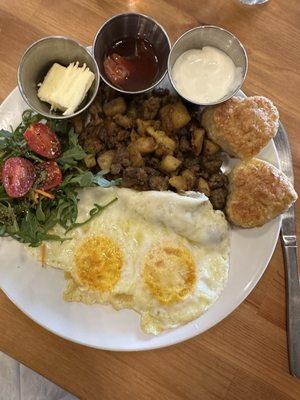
(29, 221)
(72, 154)
(13, 144)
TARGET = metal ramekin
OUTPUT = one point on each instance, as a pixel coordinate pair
(132, 25)
(39, 58)
(210, 35)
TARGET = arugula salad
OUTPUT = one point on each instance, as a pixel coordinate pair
(42, 169)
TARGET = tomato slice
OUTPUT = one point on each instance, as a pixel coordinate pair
(18, 175)
(117, 68)
(42, 141)
(54, 175)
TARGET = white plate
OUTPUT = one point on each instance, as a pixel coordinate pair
(38, 291)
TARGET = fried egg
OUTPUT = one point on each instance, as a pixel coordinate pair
(161, 254)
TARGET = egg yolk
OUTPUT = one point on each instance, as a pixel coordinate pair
(98, 263)
(169, 273)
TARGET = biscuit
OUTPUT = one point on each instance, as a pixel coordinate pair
(242, 127)
(258, 192)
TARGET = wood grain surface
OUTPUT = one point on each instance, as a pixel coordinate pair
(245, 356)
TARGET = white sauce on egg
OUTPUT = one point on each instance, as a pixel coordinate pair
(205, 75)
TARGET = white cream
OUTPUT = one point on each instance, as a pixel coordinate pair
(205, 75)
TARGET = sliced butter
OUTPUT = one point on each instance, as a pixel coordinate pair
(65, 87)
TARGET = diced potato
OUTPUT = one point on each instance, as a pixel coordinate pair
(135, 156)
(210, 147)
(197, 140)
(169, 163)
(123, 120)
(163, 140)
(189, 177)
(90, 160)
(180, 115)
(174, 116)
(105, 159)
(115, 106)
(203, 186)
(178, 182)
(145, 145)
(142, 125)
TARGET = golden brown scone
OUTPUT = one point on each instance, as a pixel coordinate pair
(242, 127)
(258, 192)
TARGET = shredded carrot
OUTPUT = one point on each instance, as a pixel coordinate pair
(35, 197)
(45, 194)
(43, 255)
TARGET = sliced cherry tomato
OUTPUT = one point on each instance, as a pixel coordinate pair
(54, 175)
(42, 141)
(117, 68)
(18, 175)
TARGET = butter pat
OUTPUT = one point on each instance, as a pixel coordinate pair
(65, 87)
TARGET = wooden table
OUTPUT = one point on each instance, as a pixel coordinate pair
(243, 357)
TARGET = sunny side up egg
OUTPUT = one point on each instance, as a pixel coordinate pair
(164, 255)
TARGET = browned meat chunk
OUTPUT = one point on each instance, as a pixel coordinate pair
(135, 177)
(150, 107)
(192, 164)
(122, 156)
(218, 198)
(184, 144)
(92, 145)
(212, 164)
(153, 162)
(204, 174)
(122, 135)
(217, 181)
(159, 182)
(115, 168)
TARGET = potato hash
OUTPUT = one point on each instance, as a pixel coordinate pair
(151, 142)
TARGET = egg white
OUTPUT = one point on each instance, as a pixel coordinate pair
(136, 222)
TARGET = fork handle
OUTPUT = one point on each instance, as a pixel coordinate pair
(293, 307)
